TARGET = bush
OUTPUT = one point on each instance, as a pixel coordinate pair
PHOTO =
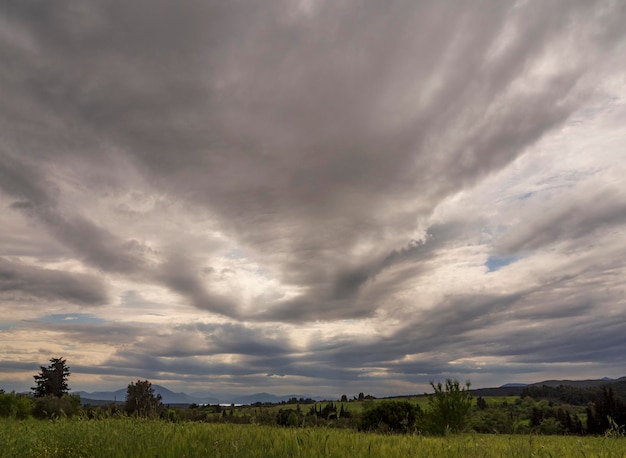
(550, 426)
(390, 416)
(13, 405)
(55, 407)
(141, 400)
(449, 407)
(287, 417)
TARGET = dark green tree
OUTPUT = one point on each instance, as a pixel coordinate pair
(141, 400)
(391, 416)
(15, 405)
(606, 412)
(52, 380)
(449, 407)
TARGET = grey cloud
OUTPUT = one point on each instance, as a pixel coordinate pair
(181, 275)
(50, 284)
(25, 182)
(94, 244)
(318, 140)
(348, 282)
(566, 219)
(305, 158)
(344, 298)
(206, 340)
(107, 332)
(145, 365)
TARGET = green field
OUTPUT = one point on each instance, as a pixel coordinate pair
(127, 437)
(356, 407)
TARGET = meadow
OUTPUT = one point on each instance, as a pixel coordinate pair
(353, 406)
(124, 437)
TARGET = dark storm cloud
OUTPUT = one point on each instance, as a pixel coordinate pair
(50, 284)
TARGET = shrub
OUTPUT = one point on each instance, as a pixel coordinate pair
(390, 416)
(55, 407)
(13, 405)
(449, 407)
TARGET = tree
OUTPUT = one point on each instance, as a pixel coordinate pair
(449, 406)
(606, 413)
(141, 401)
(52, 380)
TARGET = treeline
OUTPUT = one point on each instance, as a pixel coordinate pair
(447, 411)
(604, 409)
(554, 410)
(563, 393)
(21, 406)
(450, 408)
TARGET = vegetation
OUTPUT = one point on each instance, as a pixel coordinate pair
(605, 413)
(52, 380)
(391, 416)
(141, 401)
(53, 407)
(148, 438)
(50, 392)
(16, 406)
(449, 407)
(448, 422)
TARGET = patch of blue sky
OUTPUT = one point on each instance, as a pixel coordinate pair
(495, 263)
(235, 253)
(64, 318)
(525, 196)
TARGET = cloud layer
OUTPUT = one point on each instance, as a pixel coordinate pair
(232, 196)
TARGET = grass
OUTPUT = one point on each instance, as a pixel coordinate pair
(358, 406)
(125, 437)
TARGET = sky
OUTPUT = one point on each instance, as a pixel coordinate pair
(312, 197)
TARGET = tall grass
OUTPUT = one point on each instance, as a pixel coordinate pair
(128, 437)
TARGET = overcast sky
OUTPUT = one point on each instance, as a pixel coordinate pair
(309, 196)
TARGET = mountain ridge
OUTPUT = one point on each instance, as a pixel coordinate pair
(171, 397)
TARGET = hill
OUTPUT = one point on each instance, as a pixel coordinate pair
(170, 397)
(119, 396)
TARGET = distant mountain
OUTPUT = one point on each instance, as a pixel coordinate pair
(580, 383)
(118, 395)
(267, 397)
(168, 396)
(258, 397)
(515, 389)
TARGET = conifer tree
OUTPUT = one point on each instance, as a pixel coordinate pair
(52, 380)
